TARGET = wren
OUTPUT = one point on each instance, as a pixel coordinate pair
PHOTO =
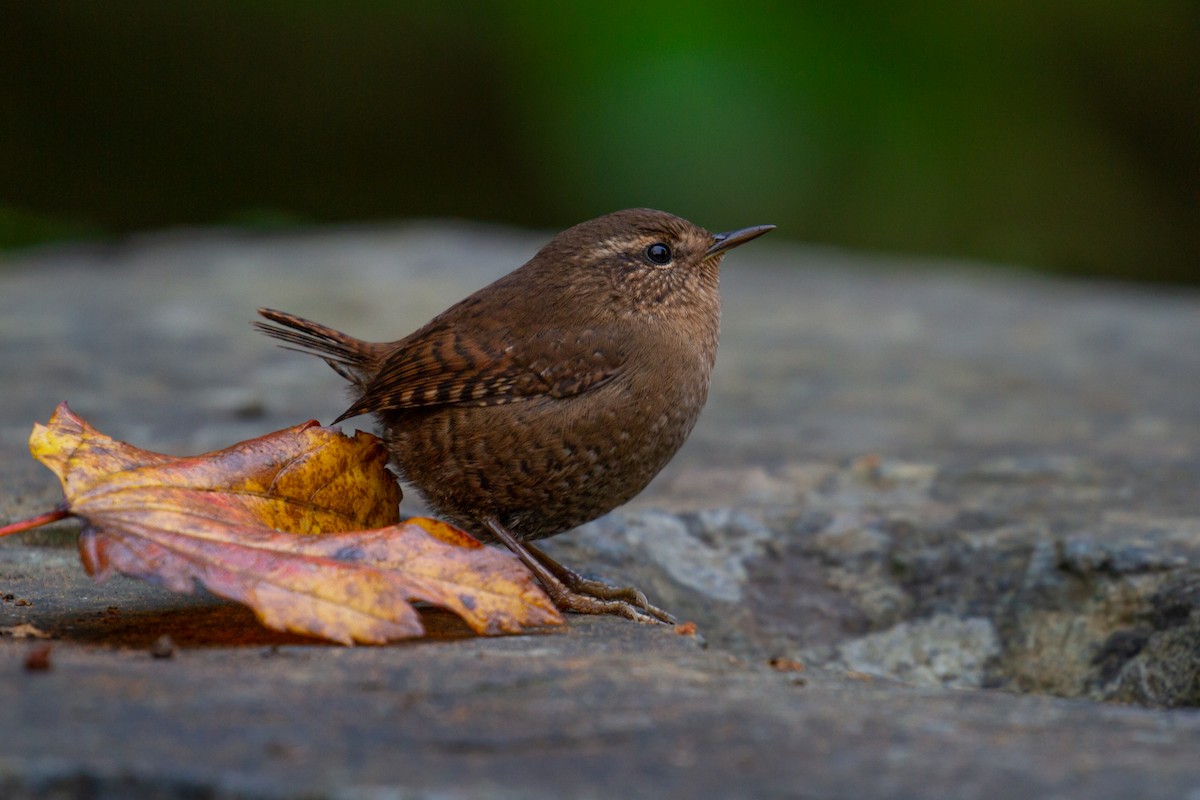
(553, 395)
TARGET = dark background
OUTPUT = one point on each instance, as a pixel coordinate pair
(1063, 135)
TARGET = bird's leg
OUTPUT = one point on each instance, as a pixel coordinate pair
(571, 591)
(599, 589)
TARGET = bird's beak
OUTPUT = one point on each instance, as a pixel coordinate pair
(731, 239)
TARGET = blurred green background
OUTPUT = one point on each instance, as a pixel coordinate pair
(1063, 135)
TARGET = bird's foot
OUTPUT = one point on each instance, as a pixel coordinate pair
(570, 591)
(585, 603)
(625, 601)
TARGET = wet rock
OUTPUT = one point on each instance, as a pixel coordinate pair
(966, 502)
(938, 651)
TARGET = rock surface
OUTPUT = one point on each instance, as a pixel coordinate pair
(939, 530)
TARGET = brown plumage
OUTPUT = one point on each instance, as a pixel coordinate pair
(553, 395)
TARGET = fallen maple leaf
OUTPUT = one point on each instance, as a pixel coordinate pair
(300, 525)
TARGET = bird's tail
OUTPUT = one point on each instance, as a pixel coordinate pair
(354, 359)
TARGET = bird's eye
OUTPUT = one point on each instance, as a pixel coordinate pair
(658, 253)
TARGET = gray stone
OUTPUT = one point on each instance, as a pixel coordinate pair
(966, 502)
(938, 650)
